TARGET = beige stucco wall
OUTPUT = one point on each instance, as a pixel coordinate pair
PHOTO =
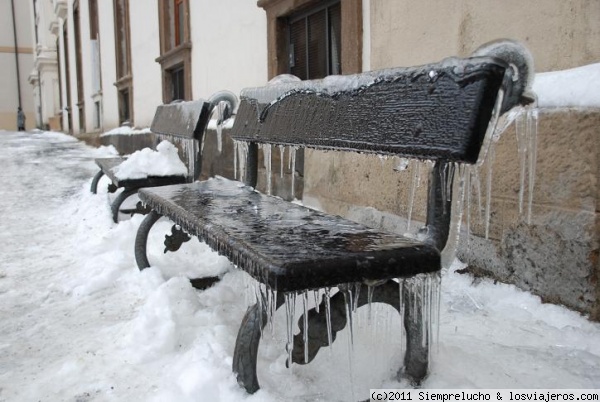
(560, 33)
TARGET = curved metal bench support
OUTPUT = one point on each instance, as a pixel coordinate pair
(416, 358)
(116, 204)
(141, 239)
(95, 180)
(141, 254)
(246, 345)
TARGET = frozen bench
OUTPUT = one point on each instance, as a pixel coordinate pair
(182, 123)
(443, 112)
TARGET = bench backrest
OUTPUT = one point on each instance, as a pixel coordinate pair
(436, 112)
(184, 124)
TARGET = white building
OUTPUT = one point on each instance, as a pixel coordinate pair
(102, 63)
(15, 50)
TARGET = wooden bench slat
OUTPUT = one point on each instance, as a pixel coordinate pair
(285, 245)
(439, 111)
(183, 119)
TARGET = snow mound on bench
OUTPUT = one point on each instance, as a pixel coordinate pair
(147, 162)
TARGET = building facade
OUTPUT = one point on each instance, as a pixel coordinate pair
(16, 62)
(104, 63)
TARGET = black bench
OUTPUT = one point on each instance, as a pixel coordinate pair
(179, 122)
(443, 112)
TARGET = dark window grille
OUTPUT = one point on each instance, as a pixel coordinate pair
(178, 83)
(315, 42)
(124, 111)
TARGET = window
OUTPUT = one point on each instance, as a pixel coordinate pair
(97, 114)
(95, 46)
(313, 38)
(314, 43)
(176, 76)
(123, 55)
(124, 102)
(175, 50)
(178, 24)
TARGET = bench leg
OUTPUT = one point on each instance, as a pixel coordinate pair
(416, 358)
(95, 180)
(141, 239)
(116, 204)
(246, 345)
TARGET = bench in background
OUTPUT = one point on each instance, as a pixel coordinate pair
(182, 123)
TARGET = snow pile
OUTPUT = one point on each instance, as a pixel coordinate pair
(126, 130)
(105, 151)
(147, 162)
(577, 87)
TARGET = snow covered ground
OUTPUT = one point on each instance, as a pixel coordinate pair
(79, 322)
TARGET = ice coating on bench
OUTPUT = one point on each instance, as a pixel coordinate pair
(438, 111)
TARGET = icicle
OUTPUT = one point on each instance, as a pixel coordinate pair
(475, 170)
(220, 114)
(402, 164)
(293, 169)
(437, 293)
(532, 130)
(401, 310)
(348, 297)
(290, 309)
(327, 297)
(260, 301)
(242, 152)
(451, 170)
(281, 153)
(266, 148)
(370, 290)
(490, 135)
(357, 287)
(488, 190)
(305, 333)
(449, 251)
(235, 158)
(521, 133)
(271, 308)
(468, 173)
(316, 295)
(416, 166)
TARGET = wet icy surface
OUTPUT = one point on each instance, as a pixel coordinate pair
(284, 244)
(78, 321)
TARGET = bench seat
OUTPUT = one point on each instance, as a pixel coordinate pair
(288, 246)
(107, 164)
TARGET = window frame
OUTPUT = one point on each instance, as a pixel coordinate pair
(124, 81)
(278, 12)
(175, 52)
(305, 17)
